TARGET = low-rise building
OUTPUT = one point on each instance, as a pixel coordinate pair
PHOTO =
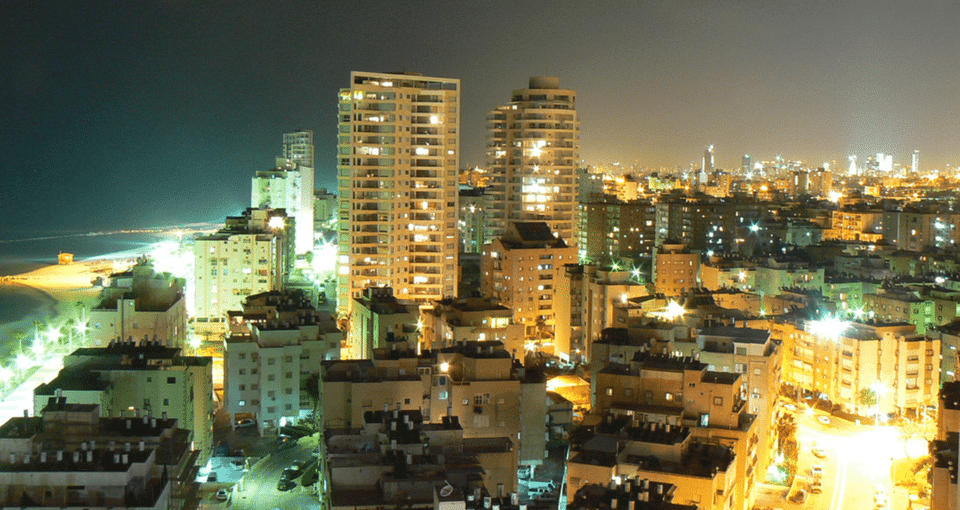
(274, 350)
(72, 457)
(149, 377)
(520, 270)
(675, 269)
(140, 304)
(455, 321)
(865, 367)
(479, 383)
(680, 391)
(377, 317)
(597, 292)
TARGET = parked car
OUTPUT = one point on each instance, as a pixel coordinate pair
(285, 442)
(819, 453)
(800, 496)
(223, 495)
(212, 477)
(816, 487)
(824, 419)
(297, 467)
(816, 470)
(246, 423)
(284, 485)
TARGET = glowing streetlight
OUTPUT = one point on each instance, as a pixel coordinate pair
(23, 362)
(53, 334)
(6, 375)
(444, 367)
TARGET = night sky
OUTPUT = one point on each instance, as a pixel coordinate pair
(133, 114)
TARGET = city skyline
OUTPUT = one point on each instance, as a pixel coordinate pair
(114, 107)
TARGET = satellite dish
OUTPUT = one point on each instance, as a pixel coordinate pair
(446, 491)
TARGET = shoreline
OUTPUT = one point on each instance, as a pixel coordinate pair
(59, 288)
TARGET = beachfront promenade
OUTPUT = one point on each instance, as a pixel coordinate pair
(21, 398)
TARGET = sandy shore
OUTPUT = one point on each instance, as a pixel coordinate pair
(60, 288)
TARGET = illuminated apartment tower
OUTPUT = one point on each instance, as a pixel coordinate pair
(399, 150)
(533, 145)
(745, 164)
(915, 166)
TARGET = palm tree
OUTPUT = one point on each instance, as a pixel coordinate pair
(36, 330)
(20, 335)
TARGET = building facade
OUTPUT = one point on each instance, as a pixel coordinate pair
(252, 254)
(533, 147)
(399, 155)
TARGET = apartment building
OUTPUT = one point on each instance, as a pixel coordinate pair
(140, 303)
(754, 354)
(843, 360)
(274, 350)
(479, 383)
(775, 274)
(455, 321)
(945, 450)
(472, 224)
(72, 457)
(918, 226)
(611, 231)
(398, 459)
(399, 155)
(680, 391)
(597, 291)
(150, 377)
(253, 253)
(701, 475)
(717, 273)
(520, 270)
(379, 317)
(900, 305)
(856, 223)
(533, 148)
(676, 269)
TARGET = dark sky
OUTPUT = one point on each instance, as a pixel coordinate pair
(136, 114)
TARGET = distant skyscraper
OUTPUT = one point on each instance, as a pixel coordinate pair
(533, 147)
(399, 151)
(745, 164)
(706, 169)
(915, 165)
(708, 160)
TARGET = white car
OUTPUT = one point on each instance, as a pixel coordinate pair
(223, 495)
(824, 419)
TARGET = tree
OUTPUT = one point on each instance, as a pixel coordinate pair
(868, 397)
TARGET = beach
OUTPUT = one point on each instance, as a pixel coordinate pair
(59, 290)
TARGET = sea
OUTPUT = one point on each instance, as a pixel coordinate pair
(26, 253)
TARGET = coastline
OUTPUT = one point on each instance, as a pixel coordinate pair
(59, 288)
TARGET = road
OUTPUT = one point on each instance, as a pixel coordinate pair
(858, 462)
(258, 488)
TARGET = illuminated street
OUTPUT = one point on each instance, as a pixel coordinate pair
(857, 462)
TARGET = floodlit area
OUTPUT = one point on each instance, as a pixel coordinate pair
(843, 465)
